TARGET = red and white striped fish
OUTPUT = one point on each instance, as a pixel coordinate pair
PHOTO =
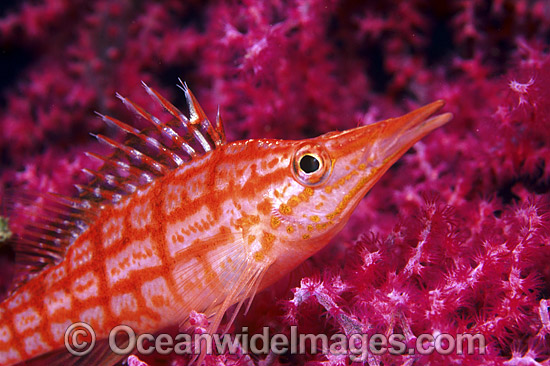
(176, 220)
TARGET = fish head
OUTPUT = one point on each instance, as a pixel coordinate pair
(330, 174)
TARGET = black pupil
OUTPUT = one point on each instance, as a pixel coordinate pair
(309, 164)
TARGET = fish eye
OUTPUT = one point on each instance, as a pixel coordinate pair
(311, 164)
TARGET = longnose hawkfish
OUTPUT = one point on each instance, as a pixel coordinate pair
(177, 219)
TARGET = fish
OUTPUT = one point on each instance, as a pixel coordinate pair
(177, 220)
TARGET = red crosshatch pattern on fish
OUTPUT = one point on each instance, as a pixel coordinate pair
(177, 220)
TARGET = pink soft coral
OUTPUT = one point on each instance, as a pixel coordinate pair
(455, 238)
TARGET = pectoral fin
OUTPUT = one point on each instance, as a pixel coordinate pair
(217, 274)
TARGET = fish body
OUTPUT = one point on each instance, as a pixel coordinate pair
(204, 234)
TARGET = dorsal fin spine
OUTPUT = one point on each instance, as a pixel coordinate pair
(44, 237)
(133, 107)
(173, 110)
(44, 246)
(204, 143)
(101, 194)
(193, 113)
(220, 132)
(176, 139)
(46, 227)
(162, 128)
(207, 126)
(118, 124)
(132, 170)
(63, 212)
(196, 116)
(110, 179)
(132, 152)
(161, 149)
(145, 139)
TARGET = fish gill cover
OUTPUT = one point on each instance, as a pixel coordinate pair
(454, 239)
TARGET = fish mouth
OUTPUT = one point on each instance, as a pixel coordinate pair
(422, 119)
(384, 142)
(391, 138)
(374, 148)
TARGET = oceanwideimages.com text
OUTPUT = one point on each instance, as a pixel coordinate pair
(80, 340)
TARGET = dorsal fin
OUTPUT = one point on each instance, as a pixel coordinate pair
(151, 152)
(44, 225)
